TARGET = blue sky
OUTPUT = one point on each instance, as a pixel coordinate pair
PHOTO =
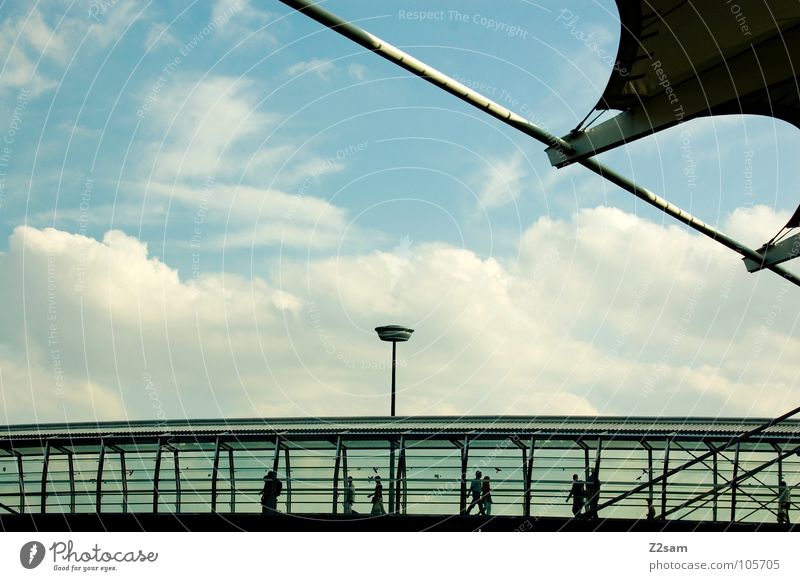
(207, 207)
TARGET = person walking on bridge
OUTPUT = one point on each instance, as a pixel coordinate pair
(349, 496)
(577, 494)
(475, 488)
(377, 498)
(486, 496)
(784, 502)
(593, 494)
(270, 492)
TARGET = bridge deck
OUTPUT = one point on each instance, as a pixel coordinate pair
(341, 523)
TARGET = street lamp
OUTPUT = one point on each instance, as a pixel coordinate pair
(393, 334)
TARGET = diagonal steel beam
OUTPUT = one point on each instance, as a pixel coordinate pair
(430, 74)
(474, 98)
(702, 457)
(8, 508)
(733, 482)
(762, 504)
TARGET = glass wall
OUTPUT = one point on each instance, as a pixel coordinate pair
(142, 475)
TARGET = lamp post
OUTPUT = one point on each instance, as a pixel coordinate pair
(394, 334)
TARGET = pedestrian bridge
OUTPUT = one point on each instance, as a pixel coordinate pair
(693, 470)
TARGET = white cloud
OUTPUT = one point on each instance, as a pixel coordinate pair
(159, 36)
(42, 39)
(103, 216)
(30, 394)
(319, 67)
(602, 313)
(215, 127)
(18, 64)
(102, 319)
(356, 71)
(243, 18)
(755, 225)
(250, 216)
(77, 130)
(203, 135)
(199, 124)
(502, 179)
(35, 47)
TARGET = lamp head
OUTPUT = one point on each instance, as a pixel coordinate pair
(394, 333)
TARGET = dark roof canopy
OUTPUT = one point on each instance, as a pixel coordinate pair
(682, 59)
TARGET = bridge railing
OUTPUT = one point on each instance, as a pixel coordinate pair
(433, 476)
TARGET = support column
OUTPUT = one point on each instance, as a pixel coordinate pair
(715, 474)
(734, 483)
(585, 462)
(664, 480)
(215, 475)
(232, 478)
(177, 467)
(405, 484)
(275, 462)
(45, 468)
(289, 478)
(526, 486)
(156, 477)
(462, 503)
(780, 479)
(337, 463)
(392, 446)
(595, 500)
(21, 474)
(401, 474)
(124, 470)
(99, 493)
(529, 477)
(276, 456)
(71, 468)
(650, 473)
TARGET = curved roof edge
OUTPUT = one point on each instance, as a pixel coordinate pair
(382, 424)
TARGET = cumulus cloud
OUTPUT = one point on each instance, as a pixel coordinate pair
(755, 225)
(106, 319)
(603, 313)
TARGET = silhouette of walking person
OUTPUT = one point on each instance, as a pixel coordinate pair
(486, 496)
(349, 496)
(593, 494)
(270, 492)
(377, 498)
(784, 502)
(475, 488)
(577, 494)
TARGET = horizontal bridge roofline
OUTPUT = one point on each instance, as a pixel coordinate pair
(384, 425)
